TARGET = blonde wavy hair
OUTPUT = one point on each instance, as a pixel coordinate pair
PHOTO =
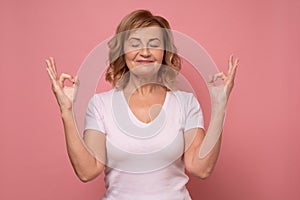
(135, 20)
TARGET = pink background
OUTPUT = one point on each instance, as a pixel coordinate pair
(260, 152)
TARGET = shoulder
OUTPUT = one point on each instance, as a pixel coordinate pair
(102, 98)
(184, 97)
(107, 95)
(187, 100)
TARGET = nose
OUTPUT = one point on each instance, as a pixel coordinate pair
(145, 52)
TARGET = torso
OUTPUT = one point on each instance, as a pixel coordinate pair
(146, 107)
(142, 165)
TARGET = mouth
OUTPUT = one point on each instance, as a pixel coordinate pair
(144, 61)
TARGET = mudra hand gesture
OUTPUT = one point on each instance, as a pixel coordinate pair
(220, 94)
(65, 95)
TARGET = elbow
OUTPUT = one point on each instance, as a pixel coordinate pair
(87, 177)
(203, 175)
(200, 173)
(84, 179)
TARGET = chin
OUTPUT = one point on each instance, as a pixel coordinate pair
(148, 70)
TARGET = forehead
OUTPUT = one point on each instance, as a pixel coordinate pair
(147, 33)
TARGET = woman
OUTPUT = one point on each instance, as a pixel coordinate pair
(142, 157)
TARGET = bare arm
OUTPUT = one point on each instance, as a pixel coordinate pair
(86, 161)
(194, 138)
(83, 158)
(202, 150)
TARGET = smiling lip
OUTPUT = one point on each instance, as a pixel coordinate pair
(144, 61)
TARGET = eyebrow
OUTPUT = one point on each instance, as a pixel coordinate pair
(140, 39)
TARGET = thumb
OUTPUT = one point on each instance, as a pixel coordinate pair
(76, 81)
(76, 86)
(210, 80)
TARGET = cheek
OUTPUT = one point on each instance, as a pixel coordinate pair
(159, 55)
(129, 57)
(129, 54)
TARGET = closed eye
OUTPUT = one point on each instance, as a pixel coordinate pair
(154, 43)
(134, 42)
(154, 46)
(135, 45)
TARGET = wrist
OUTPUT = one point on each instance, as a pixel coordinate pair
(219, 107)
(66, 112)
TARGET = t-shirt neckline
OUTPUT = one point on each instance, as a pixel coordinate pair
(138, 120)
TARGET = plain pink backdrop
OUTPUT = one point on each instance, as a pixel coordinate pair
(260, 151)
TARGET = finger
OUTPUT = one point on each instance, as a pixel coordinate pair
(50, 70)
(76, 86)
(236, 62)
(65, 76)
(230, 63)
(50, 74)
(220, 75)
(233, 69)
(212, 79)
(76, 81)
(52, 61)
(48, 63)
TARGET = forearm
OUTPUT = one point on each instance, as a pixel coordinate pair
(213, 135)
(206, 154)
(85, 165)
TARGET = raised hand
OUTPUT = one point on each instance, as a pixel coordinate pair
(221, 93)
(64, 95)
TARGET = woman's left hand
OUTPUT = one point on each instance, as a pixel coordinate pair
(221, 93)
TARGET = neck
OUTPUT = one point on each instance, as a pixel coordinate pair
(143, 85)
(143, 89)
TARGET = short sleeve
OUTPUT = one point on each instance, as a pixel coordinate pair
(94, 115)
(193, 114)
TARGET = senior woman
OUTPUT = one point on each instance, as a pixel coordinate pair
(144, 132)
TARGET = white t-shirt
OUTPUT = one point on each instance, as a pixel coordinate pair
(144, 160)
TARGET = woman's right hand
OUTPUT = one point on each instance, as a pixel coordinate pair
(64, 95)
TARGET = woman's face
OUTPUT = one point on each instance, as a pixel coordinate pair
(144, 50)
